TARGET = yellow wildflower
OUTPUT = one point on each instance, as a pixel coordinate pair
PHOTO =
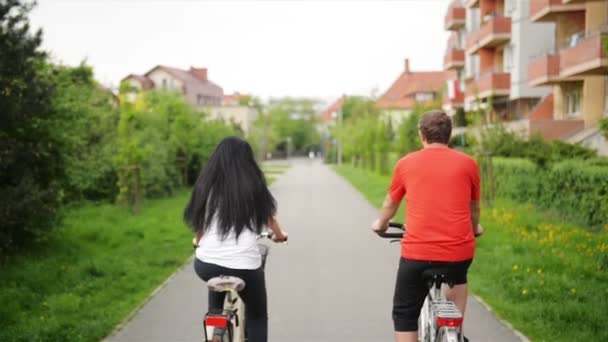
(515, 267)
(524, 292)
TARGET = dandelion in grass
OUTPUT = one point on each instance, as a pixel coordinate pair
(524, 292)
(573, 290)
(515, 267)
(539, 271)
(528, 270)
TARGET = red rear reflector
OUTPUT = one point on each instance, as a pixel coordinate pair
(449, 321)
(216, 321)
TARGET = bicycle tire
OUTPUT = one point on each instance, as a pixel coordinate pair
(448, 335)
(424, 324)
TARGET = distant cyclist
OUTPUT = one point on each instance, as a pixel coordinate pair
(229, 208)
(441, 186)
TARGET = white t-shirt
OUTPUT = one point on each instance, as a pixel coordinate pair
(243, 254)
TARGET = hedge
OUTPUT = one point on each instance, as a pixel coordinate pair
(577, 189)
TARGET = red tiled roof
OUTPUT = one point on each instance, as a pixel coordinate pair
(328, 114)
(193, 82)
(146, 83)
(401, 94)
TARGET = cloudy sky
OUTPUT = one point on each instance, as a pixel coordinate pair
(269, 48)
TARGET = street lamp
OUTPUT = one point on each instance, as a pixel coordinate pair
(338, 114)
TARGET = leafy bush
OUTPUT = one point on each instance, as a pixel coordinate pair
(31, 164)
(577, 189)
(88, 127)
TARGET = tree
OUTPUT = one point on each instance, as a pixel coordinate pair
(87, 118)
(31, 164)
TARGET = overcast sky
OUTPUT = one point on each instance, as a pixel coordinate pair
(268, 48)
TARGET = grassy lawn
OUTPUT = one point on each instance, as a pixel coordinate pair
(549, 278)
(97, 267)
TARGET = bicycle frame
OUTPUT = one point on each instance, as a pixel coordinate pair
(440, 319)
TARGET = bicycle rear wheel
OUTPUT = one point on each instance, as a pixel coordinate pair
(424, 322)
(448, 335)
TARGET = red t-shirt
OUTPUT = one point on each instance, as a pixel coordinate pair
(439, 184)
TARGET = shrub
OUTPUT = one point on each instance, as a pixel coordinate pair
(577, 189)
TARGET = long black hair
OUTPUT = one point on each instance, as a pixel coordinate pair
(231, 188)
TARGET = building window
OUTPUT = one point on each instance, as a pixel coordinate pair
(199, 99)
(572, 99)
(423, 97)
(164, 84)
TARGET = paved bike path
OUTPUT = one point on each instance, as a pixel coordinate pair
(332, 282)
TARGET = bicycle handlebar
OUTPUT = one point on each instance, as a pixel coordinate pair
(396, 225)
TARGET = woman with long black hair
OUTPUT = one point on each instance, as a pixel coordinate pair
(229, 208)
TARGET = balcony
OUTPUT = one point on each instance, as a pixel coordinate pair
(545, 10)
(544, 70)
(493, 33)
(453, 59)
(587, 57)
(493, 83)
(456, 16)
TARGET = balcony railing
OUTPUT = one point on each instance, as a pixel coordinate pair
(544, 70)
(494, 32)
(492, 83)
(586, 56)
(456, 16)
(543, 10)
(453, 59)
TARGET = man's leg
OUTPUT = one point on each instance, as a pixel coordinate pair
(410, 292)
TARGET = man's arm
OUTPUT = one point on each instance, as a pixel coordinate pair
(388, 211)
(475, 212)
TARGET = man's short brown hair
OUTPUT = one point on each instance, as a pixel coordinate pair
(436, 127)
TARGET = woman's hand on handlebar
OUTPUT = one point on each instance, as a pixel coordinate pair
(280, 236)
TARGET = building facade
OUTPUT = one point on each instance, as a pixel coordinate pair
(193, 84)
(575, 67)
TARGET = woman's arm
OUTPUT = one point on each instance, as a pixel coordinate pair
(277, 232)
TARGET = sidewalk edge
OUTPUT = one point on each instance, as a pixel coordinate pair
(140, 306)
(517, 333)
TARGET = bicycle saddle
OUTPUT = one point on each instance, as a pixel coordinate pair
(226, 283)
(437, 276)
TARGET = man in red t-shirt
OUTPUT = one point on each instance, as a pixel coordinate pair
(441, 186)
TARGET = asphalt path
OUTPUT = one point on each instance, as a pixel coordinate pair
(333, 281)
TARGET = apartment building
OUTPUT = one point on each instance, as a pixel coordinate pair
(575, 67)
(500, 41)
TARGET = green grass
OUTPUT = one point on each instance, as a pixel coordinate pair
(94, 270)
(98, 266)
(549, 278)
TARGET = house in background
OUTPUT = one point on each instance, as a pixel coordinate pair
(194, 84)
(329, 116)
(234, 110)
(411, 89)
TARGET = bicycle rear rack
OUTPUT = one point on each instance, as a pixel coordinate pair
(447, 314)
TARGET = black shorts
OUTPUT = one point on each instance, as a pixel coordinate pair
(411, 289)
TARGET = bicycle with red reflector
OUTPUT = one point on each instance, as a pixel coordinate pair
(228, 324)
(439, 320)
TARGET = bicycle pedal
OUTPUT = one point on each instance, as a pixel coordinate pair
(447, 314)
